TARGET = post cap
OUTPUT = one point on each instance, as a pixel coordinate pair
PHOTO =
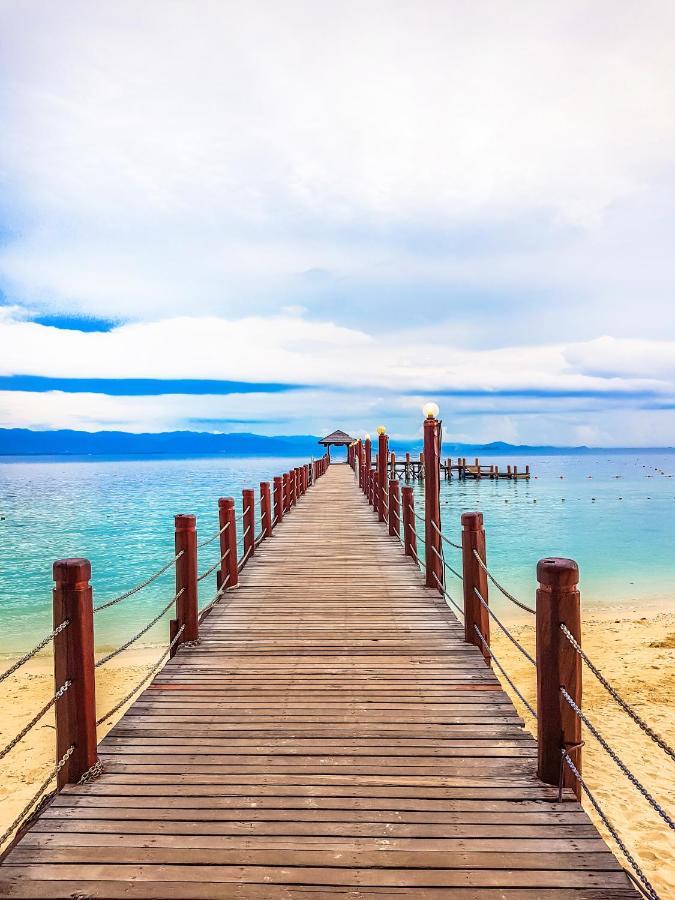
(185, 522)
(225, 501)
(472, 521)
(72, 570)
(558, 572)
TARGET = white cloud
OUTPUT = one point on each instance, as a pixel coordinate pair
(293, 350)
(207, 154)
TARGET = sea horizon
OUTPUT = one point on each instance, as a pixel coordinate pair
(612, 512)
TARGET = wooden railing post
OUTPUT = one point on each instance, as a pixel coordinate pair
(278, 498)
(473, 539)
(558, 665)
(432, 503)
(74, 662)
(367, 464)
(394, 508)
(227, 514)
(266, 508)
(186, 578)
(291, 486)
(382, 478)
(286, 496)
(409, 537)
(248, 521)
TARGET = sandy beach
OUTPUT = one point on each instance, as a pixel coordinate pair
(635, 652)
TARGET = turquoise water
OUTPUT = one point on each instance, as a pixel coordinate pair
(614, 514)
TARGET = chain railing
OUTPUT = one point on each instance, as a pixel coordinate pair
(639, 721)
(139, 587)
(36, 649)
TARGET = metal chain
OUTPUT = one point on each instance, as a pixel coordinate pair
(240, 564)
(143, 631)
(36, 718)
(143, 680)
(504, 628)
(43, 787)
(616, 696)
(216, 597)
(501, 669)
(36, 649)
(444, 538)
(454, 571)
(139, 587)
(92, 773)
(608, 825)
(213, 536)
(214, 566)
(442, 589)
(624, 768)
(500, 587)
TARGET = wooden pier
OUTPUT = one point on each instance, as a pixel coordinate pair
(332, 733)
(409, 468)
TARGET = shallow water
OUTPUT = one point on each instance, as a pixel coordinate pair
(619, 524)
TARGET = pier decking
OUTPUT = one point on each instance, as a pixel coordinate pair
(332, 734)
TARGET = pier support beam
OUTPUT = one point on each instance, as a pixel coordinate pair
(432, 502)
(74, 662)
(558, 665)
(475, 577)
(186, 577)
(394, 508)
(227, 514)
(381, 486)
(266, 508)
(409, 538)
(248, 521)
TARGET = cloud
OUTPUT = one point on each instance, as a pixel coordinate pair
(380, 201)
(238, 158)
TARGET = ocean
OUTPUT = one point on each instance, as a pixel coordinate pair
(614, 513)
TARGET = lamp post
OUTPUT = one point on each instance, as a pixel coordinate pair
(432, 499)
(382, 457)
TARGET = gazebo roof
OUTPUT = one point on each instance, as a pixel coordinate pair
(337, 437)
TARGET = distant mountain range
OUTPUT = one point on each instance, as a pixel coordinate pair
(24, 442)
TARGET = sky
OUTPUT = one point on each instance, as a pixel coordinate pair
(292, 217)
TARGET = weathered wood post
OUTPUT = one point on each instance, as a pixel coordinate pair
(278, 498)
(475, 576)
(432, 503)
(558, 665)
(74, 662)
(227, 513)
(266, 508)
(367, 465)
(223, 527)
(286, 492)
(394, 508)
(248, 521)
(382, 459)
(407, 467)
(186, 578)
(409, 537)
